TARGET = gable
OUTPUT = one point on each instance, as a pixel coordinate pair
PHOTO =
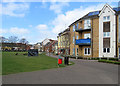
(106, 8)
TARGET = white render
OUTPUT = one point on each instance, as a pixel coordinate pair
(108, 11)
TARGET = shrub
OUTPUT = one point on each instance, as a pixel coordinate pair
(93, 58)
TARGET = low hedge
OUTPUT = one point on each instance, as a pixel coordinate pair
(93, 58)
(109, 61)
(74, 57)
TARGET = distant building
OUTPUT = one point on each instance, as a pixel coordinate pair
(38, 46)
(15, 46)
(44, 42)
(64, 42)
(50, 46)
(55, 47)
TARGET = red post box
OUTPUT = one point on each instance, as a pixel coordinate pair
(59, 61)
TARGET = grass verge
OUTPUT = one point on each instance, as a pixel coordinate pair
(12, 63)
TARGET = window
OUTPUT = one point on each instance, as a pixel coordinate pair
(77, 25)
(73, 28)
(87, 51)
(87, 24)
(87, 36)
(77, 51)
(106, 42)
(106, 26)
(106, 34)
(106, 50)
(106, 18)
(77, 37)
(73, 40)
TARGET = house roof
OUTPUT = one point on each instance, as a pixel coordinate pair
(66, 30)
(95, 14)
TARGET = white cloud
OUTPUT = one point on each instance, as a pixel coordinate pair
(14, 9)
(46, 34)
(19, 31)
(3, 31)
(42, 27)
(57, 7)
(62, 21)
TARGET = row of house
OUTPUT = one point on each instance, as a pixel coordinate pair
(47, 45)
(96, 34)
(15, 46)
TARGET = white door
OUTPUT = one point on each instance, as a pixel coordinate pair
(119, 53)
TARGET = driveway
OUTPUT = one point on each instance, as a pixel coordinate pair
(82, 72)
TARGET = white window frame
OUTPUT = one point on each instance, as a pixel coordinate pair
(87, 35)
(87, 51)
(105, 18)
(105, 34)
(106, 50)
(86, 24)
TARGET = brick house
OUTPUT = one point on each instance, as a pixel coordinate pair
(49, 46)
(64, 42)
(97, 34)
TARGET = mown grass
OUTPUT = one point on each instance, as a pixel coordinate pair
(12, 63)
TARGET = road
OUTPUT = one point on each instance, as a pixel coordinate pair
(82, 72)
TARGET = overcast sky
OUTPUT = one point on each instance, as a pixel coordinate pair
(36, 21)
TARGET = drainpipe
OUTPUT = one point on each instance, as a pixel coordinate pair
(92, 39)
(74, 42)
(117, 36)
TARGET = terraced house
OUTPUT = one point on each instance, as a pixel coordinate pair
(64, 42)
(97, 34)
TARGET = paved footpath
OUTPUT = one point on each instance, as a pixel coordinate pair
(82, 72)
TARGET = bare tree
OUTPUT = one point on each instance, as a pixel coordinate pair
(3, 39)
(24, 41)
(13, 39)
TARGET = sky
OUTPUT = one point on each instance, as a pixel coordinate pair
(36, 21)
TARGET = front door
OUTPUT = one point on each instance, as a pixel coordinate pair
(119, 53)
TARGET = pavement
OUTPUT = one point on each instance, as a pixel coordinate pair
(82, 72)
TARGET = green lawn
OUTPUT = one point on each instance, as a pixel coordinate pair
(12, 63)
